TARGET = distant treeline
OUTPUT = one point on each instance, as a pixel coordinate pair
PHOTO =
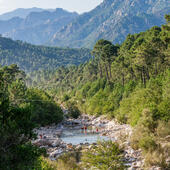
(30, 57)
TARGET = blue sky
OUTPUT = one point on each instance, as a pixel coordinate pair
(79, 6)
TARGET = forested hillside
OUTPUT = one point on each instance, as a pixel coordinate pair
(130, 82)
(30, 57)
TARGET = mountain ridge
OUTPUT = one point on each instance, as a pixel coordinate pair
(104, 19)
(21, 13)
(37, 27)
(112, 20)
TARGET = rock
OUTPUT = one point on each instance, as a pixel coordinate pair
(78, 147)
(167, 138)
(104, 134)
(46, 147)
(131, 168)
(90, 147)
(56, 143)
(155, 168)
(70, 146)
(168, 160)
(56, 153)
(42, 142)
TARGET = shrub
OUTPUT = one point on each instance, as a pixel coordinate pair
(66, 98)
(46, 164)
(106, 155)
(68, 161)
(156, 158)
(147, 143)
(73, 111)
(163, 129)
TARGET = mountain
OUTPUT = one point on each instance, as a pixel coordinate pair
(37, 27)
(112, 20)
(21, 13)
(31, 57)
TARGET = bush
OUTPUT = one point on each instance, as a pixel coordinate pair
(73, 111)
(43, 108)
(106, 155)
(46, 164)
(68, 161)
(163, 129)
(147, 143)
(66, 98)
(156, 158)
(25, 156)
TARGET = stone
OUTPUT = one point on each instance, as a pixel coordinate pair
(70, 146)
(78, 147)
(46, 146)
(42, 142)
(167, 138)
(56, 152)
(56, 143)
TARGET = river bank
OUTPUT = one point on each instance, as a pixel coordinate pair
(50, 138)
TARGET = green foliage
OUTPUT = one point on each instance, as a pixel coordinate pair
(69, 161)
(147, 143)
(44, 110)
(106, 155)
(163, 129)
(45, 164)
(20, 112)
(27, 156)
(121, 80)
(65, 98)
(73, 111)
(30, 57)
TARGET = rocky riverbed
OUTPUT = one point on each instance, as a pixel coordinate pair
(50, 137)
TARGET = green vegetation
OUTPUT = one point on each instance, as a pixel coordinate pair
(119, 81)
(30, 57)
(21, 110)
(106, 155)
(129, 82)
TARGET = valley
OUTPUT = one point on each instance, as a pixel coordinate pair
(86, 91)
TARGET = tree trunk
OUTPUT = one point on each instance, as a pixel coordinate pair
(100, 68)
(156, 68)
(141, 76)
(123, 79)
(147, 74)
(132, 73)
(110, 70)
(144, 78)
(107, 75)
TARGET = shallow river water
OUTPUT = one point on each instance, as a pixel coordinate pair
(76, 137)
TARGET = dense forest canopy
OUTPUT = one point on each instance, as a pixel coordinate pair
(30, 57)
